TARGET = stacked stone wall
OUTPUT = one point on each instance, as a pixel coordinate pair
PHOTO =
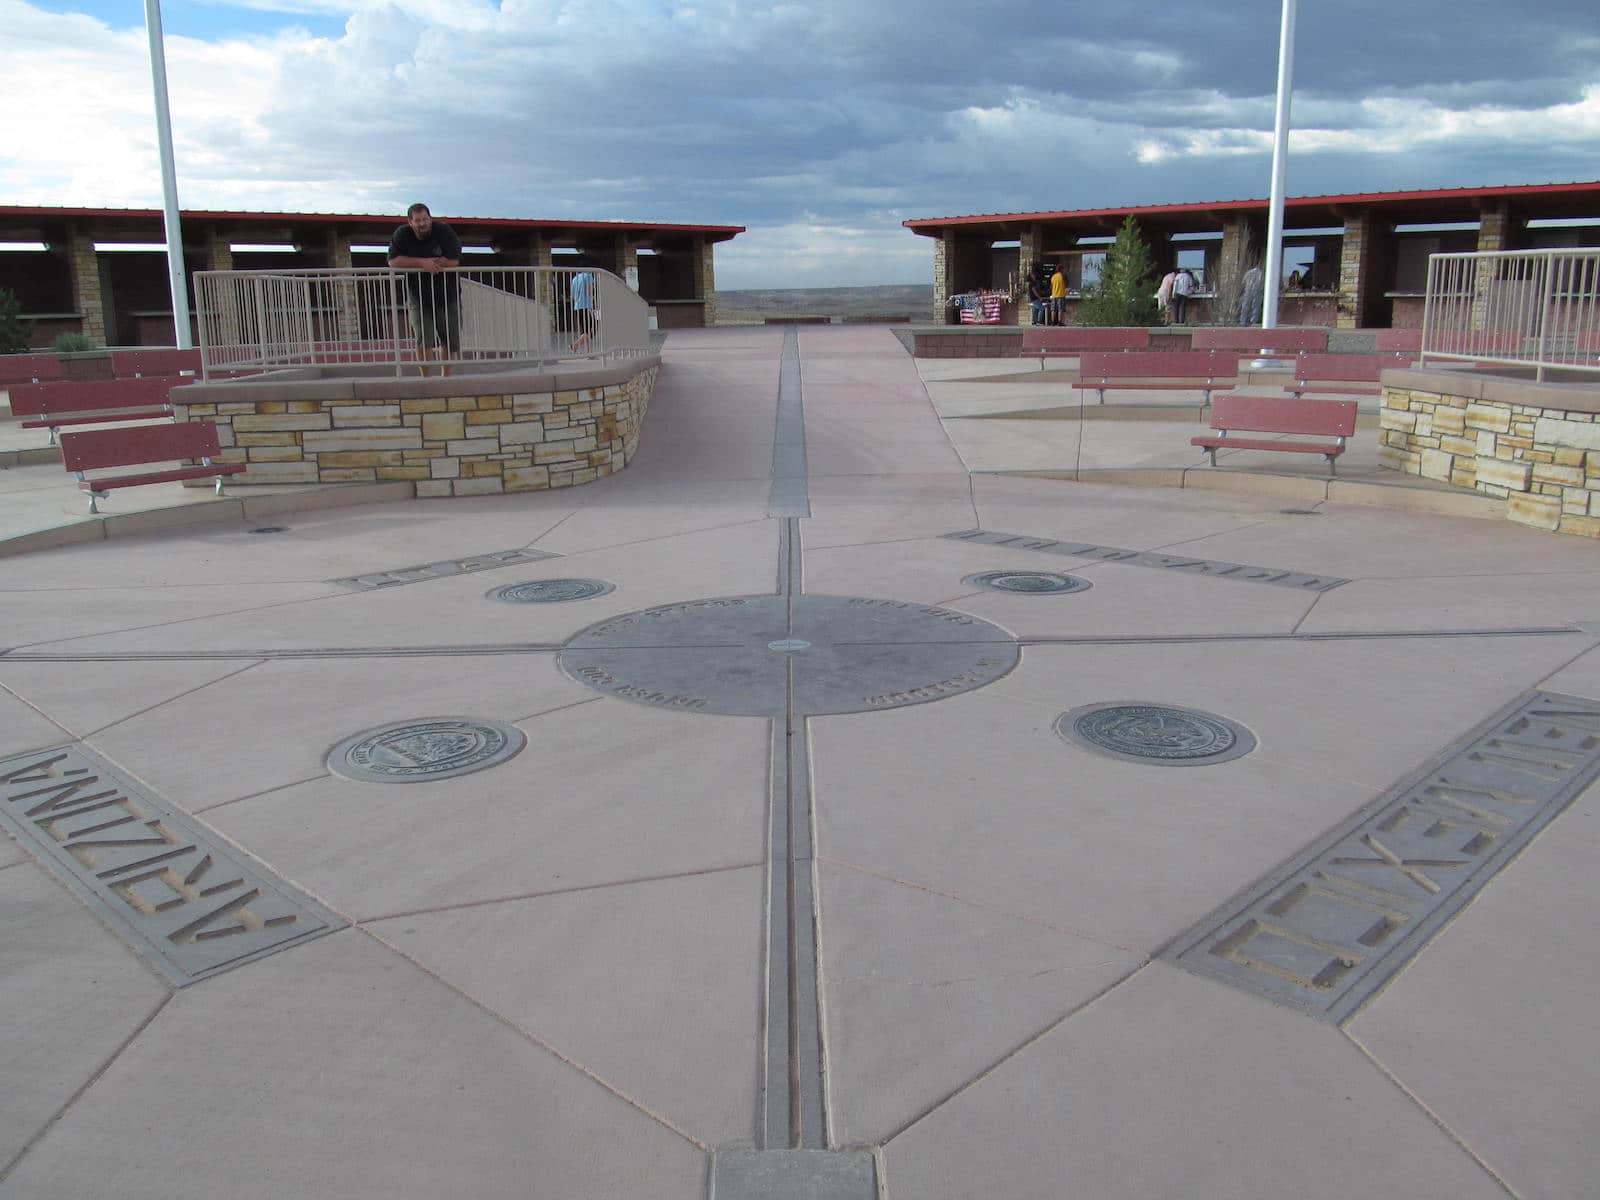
(1544, 462)
(447, 445)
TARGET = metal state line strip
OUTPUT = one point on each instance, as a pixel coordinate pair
(790, 495)
(1238, 572)
(1087, 639)
(1327, 930)
(793, 1115)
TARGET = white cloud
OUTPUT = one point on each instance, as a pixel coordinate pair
(817, 125)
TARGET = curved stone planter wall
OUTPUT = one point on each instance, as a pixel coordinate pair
(466, 435)
(1535, 444)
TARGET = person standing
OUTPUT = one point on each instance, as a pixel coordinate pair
(1183, 287)
(1058, 295)
(1038, 297)
(1164, 294)
(585, 311)
(426, 250)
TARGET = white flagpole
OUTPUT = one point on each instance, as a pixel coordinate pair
(1280, 152)
(169, 178)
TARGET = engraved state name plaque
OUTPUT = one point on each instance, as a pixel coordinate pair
(184, 899)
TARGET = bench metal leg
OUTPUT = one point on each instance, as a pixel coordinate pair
(93, 496)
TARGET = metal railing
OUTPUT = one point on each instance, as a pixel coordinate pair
(408, 322)
(1522, 308)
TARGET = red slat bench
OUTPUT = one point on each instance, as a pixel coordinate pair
(1399, 341)
(90, 402)
(28, 368)
(1246, 340)
(1157, 370)
(1054, 341)
(1234, 412)
(134, 364)
(1342, 374)
(139, 446)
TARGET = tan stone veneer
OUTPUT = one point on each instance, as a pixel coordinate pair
(466, 435)
(1537, 445)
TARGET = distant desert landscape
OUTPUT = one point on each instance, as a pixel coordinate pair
(911, 301)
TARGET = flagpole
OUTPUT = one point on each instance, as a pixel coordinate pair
(169, 178)
(1280, 153)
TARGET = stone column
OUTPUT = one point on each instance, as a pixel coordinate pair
(1494, 234)
(1030, 249)
(1241, 247)
(345, 291)
(944, 266)
(219, 328)
(627, 256)
(705, 277)
(1358, 270)
(218, 250)
(338, 249)
(87, 297)
(1496, 231)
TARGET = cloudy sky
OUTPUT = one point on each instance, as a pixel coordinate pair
(820, 125)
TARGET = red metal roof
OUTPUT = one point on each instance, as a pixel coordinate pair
(13, 212)
(1553, 198)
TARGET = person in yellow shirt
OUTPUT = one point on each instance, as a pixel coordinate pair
(1058, 296)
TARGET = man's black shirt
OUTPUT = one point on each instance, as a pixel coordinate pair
(441, 242)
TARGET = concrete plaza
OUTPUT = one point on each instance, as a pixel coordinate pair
(894, 934)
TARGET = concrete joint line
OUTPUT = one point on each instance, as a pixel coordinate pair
(93, 1079)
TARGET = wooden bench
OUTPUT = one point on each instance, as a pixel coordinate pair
(1055, 341)
(1157, 370)
(28, 368)
(1342, 374)
(91, 402)
(1245, 340)
(1237, 411)
(135, 364)
(143, 445)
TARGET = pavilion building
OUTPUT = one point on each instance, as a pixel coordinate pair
(102, 272)
(1355, 261)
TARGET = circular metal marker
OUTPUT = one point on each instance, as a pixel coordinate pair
(1156, 733)
(270, 529)
(420, 751)
(552, 591)
(733, 655)
(1036, 583)
(1300, 512)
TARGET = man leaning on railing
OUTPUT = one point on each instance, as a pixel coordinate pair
(426, 250)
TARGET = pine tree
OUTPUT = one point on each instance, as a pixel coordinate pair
(1125, 291)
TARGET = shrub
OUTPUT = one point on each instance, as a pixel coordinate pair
(1125, 291)
(71, 343)
(13, 329)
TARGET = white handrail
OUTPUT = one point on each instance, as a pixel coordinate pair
(1522, 308)
(409, 321)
